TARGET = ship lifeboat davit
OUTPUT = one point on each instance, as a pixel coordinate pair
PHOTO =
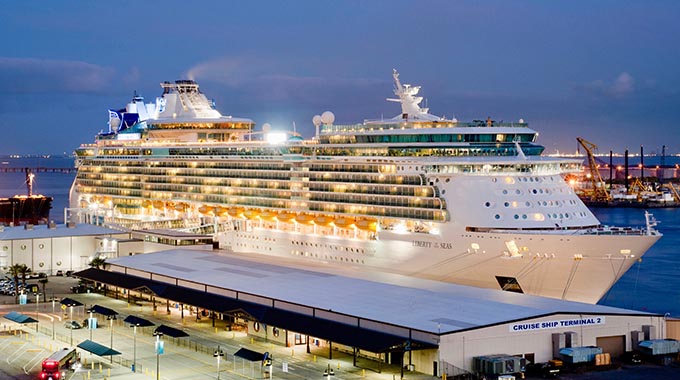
(268, 215)
(205, 209)
(323, 220)
(251, 214)
(367, 224)
(285, 217)
(344, 222)
(236, 212)
(304, 218)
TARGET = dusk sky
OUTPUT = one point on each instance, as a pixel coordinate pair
(607, 71)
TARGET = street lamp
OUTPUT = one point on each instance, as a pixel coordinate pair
(89, 321)
(71, 322)
(159, 351)
(111, 318)
(134, 340)
(37, 302)
(218, 354)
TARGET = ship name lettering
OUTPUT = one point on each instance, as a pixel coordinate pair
(422, 244)
(446, 245)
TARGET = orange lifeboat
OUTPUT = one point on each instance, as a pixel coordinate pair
(285, 217)
(304, 218)
(158, 204)
(221, 211)
(205, 209)
(146, 204)
(236, 212)
(181, 207)
(367, 224)
(251, 213)
(344, 222)
(268, 215)
(323, 220)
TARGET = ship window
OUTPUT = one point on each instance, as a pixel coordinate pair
(524, 216)
(256, 326)
(497, 216)
(487, 204)
(506, 204)
(516, 216)
(23, 247)
(41, 245)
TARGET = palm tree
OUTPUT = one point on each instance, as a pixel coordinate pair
(17, 271)
(98, 262)
(43, 282)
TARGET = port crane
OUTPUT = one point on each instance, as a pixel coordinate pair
(599, 191)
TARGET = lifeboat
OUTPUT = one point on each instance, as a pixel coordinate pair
(181, 207)
(323, 220)
(285, 217)
(158, 204)
(205, 209)
(236, 212)
(367, 224)
(268, 215)
(304, 218)
(146, 204)
(221, 211)
(344, 222)
(251, 214)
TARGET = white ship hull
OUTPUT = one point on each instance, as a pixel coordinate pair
(578, 267)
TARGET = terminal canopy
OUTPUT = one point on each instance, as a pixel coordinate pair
(70, 302)
(104, 311)
(137, 321)
(20, 318)
(170, 331)
(97, 348)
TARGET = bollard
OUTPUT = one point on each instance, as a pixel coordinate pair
(338, 365)
(292, 352)
(88, 375)
(92, 365)
(363, 372)
(108, 372)
(84, 361)
(252, 340)
(100, 368)
(233, 335)
(215, 330)
(314, 357)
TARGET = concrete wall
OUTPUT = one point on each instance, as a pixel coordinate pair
(460, 349)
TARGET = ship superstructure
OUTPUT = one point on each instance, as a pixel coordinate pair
(471, 203)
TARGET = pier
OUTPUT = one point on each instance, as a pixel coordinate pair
(38, 170)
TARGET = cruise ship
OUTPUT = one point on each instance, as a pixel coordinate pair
(473, 203)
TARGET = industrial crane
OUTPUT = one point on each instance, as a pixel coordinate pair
(599, 191)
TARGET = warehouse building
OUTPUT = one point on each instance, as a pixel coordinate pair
(426, 326)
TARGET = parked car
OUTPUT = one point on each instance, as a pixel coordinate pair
(69, 273)
(72, 325)
(544, 370)
(60, 272)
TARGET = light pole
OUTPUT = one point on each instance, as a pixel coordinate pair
(37, 302)
(111, 318)
(53, 304)
(159, 350)
(71, 323)
(134, 340)
(218, 354)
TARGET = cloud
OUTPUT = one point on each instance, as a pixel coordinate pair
(622, 87)
(30, 75)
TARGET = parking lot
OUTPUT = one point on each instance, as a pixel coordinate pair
(22, 347)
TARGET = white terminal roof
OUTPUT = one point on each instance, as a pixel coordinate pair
(42, 231)
(431, 306)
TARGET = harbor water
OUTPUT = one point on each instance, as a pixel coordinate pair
(652, 285)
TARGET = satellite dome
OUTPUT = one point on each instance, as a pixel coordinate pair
(327, 117)
(266, 127)
(316, 120)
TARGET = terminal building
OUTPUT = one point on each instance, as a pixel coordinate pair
(425, 326)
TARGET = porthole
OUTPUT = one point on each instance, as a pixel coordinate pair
(487, 204)
(534, 191)
(41, 264)
(506, 204)
(524, 216)
(448, 179)
(517, 192)
(275, 331)
(41, 245)
(58, 263)
(23, 247)
(5, 248)
(256, 326)
(528, 204)
(497, 216)
(516, 216)
(443, 192)
(505, 191)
